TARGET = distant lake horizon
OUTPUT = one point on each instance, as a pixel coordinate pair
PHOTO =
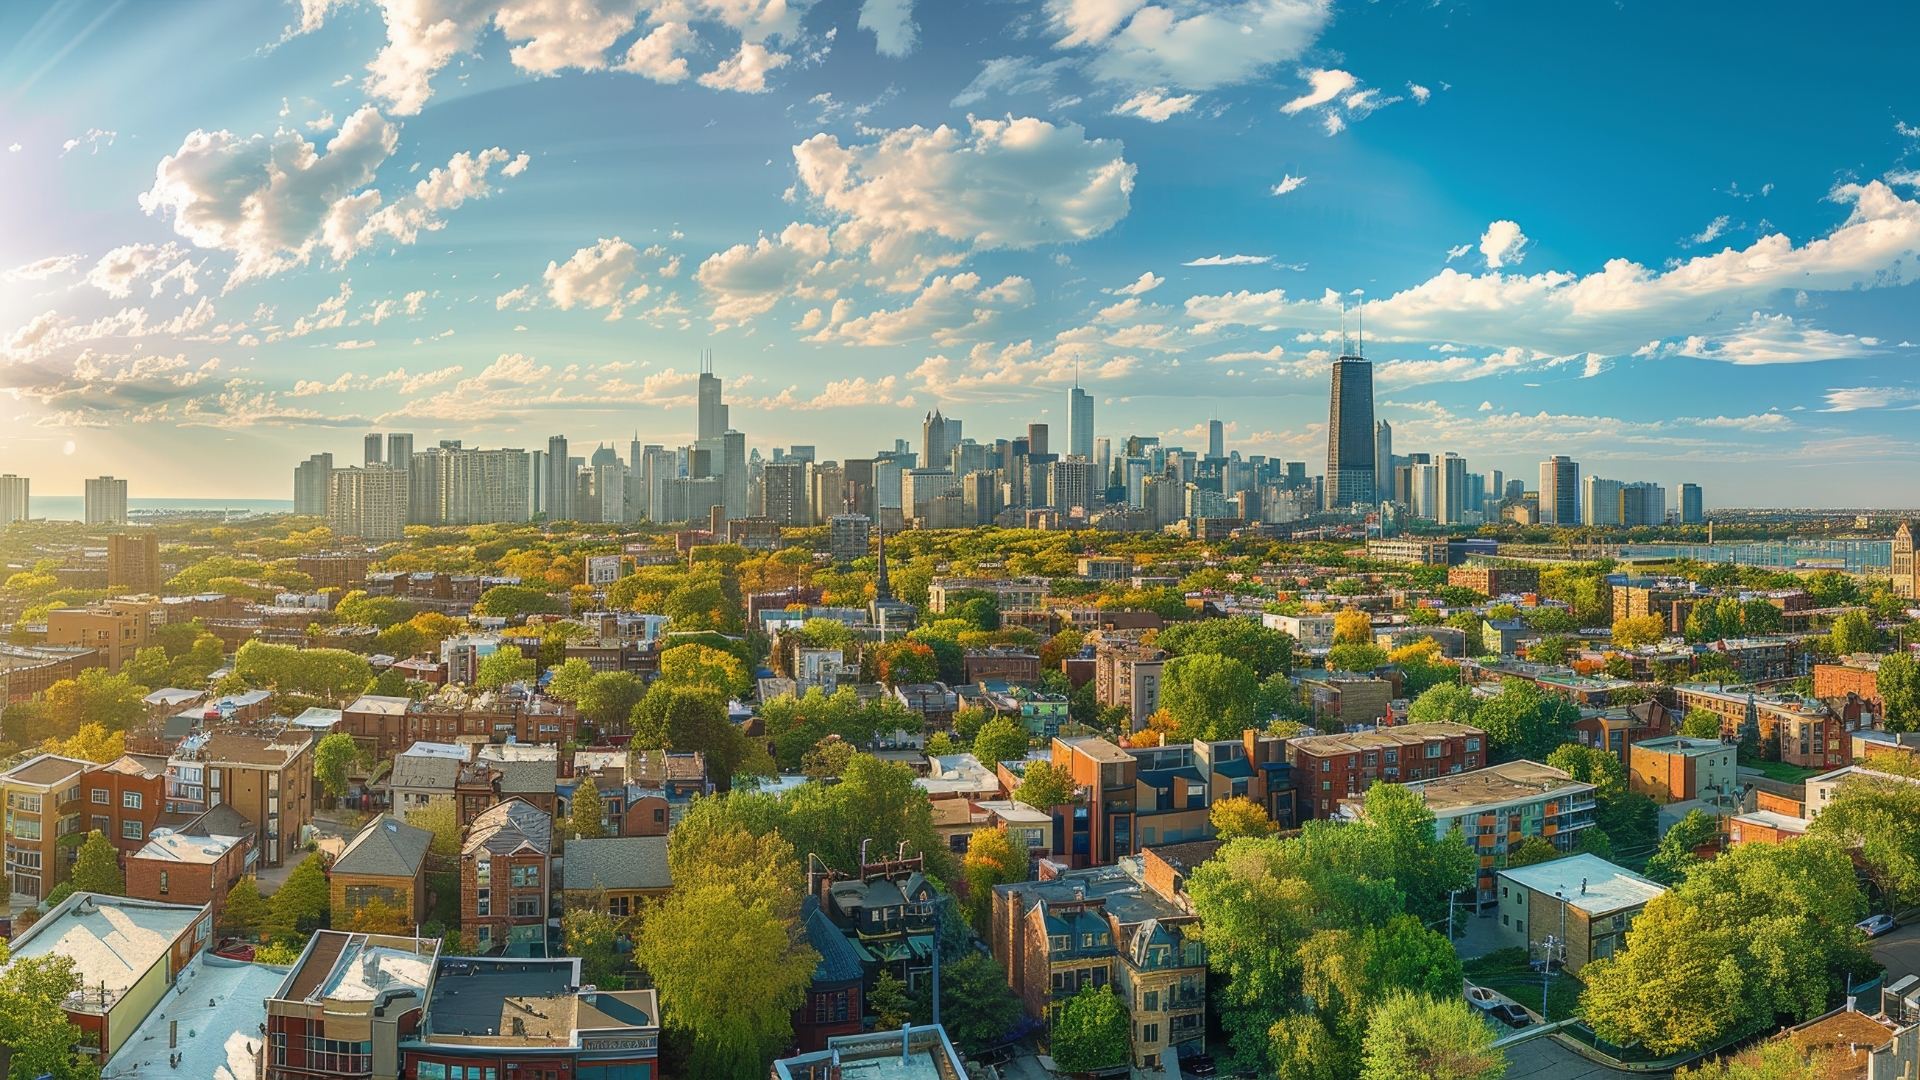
(74, 507)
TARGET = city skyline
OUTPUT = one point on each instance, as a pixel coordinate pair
(859, 213)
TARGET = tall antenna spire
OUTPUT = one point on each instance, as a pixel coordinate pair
(1360, 315)
(1344, 349)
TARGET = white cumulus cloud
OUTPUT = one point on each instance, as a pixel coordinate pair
(748, 279)
(42, 269)
(1503, 244)
(892, 24)
(746, 70)
(1154, 106)
(1186, 44)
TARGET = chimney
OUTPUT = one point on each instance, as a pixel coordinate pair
(1583, 886)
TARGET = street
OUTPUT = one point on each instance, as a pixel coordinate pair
(1899, 953)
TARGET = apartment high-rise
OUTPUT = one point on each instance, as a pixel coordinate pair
(368, 503)
(980, 497)
(732, 466)
(1642, 503)
(1382, 460)
(1424, 487)
(399, 450)
(559, 485)
(857, 476)
(1350, 434)
(106, 501)
(1560, 491)
(133, 561)
(370, 455)
(1103, 461)
(311, 479)
(14, 501)
(1216, 439)
(1692, 509)
(1070, 484)
(783, 489)
(849, 537)
(1599, 501)
(1037, 440)
(826, 491)
(1080, 423)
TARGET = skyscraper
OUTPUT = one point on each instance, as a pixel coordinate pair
(1692, 510)
(399, 450)
(713, 411)
(732, 467)
(938, 437)
(106, 501)
(1216, 439)
(1560, 491)
(1643, 503)
(372, 452)
(310, 483)
(559, 485)
(1036, 440)
(1080, 423)
(1599, 501)
(368, 503)
(783, 488)
(14, 502)
(1350, 433)
(1103, 460)
(1382, 460)
(1453, 489)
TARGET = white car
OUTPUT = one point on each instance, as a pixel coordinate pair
(1875, 925)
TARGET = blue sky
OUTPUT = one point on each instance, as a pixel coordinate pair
(1673, 241)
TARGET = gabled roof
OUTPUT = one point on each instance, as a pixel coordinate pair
(617, 863)
(838, 961)
(47, 769)
(527, 777)
(222, 820)
(511, 826)
(424, 771)
(387, 847)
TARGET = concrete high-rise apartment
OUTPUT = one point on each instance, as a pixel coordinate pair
(133, 561)
(1103, 461)
(826, 491)
(732, 467)
(1599, 501)
(399, 450)
(1692, 509)
(1423, 490)
(783, 488)
(1382, 460)
(1080, 423)
(1216, 439)
(311, 479)
(559, 485)
(1560, 491)
(368, 503)
(106, 501)
(849, 537)
(980, 497)
(658, 466)
(14, 501)
(450, 485)
(372, 445)
(857, 478)
(1350, 434)
(1070, 483)
(1642, 503)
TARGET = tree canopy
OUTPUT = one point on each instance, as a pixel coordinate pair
(1266, 652)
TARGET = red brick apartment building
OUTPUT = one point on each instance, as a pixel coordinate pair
(1329, 768)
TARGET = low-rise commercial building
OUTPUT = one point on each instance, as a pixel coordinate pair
(1585, 903)
(127, 954)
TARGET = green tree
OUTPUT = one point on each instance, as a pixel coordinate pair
(1523, 721)
(1760, 932)
(1551, 620)
(609, 699)
(888, 1002)
(1447, 702)
(332, 757)
(1415, 1037)
(977, 1007)
(1092, 1032)
(730, 974)
(1351, 657)
(690, 718)
(1267, 652)
(1212, 696)
(585, 820)
(1239, 816)
(32, 1022)
(875, 801)
(994, 857)
(505, 665)
(1044, 785)
(1775, 1059)
(700, 666)
(389, 683)
(97, 870)
(1759, 617)
(1591, 765)
(1675, 857)
(1881, 817)
(1853, 632)
(1552, 649)
(1004, 738)
(594, 936)
(95, 697)
(443, 821)
(245, 911)
(333, 675)
(1898, 682)
(300, 904)
(571, 679)
(514, 601)
(1352, 627)
(1631, 633)
(905, 663)
(1700, 724)
(1473, 626)
(1531, 850)
(829, 757)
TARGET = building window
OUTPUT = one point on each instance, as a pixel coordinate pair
(132, 830)
(483, 902)
(1433, 750)
(619, 906)
(1150, 1001)
(130, 800)
(659, 816)
(525, 877)
(526, 906)
(101, 796)
(1150, 1033)
(163, 883)
(102, 824)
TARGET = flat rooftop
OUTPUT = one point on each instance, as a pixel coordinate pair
(1590, 883)
(483, 997)
(1378, 738)
(220, 1007)
(1097, 748)
(1682, 746)
(1511, 782)
(339, 966)
(112, 940)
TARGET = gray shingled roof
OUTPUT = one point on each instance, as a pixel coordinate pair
(423, 771)
(387, 847)
(618, 862)
(527, 777)
(505, 827)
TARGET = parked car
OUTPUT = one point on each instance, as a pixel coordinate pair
(1199, 1065)
(1510, 1015)
(1875, 925)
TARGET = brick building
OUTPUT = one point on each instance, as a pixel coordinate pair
(1495, 581)
(387, 861)
(1807, 732)
(1854, 674)
(505, 866)
(264, 771)
(1127, 674)
(44, 803)
(179, 869)
(1679, 769)
(127, 800)
(116, 629)
(1002, 662)
(1330, 768)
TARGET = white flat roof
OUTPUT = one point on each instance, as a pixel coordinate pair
(220, 1005)
(1774, 819)
(111, 939)
(1589, 883)
(436, 749)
